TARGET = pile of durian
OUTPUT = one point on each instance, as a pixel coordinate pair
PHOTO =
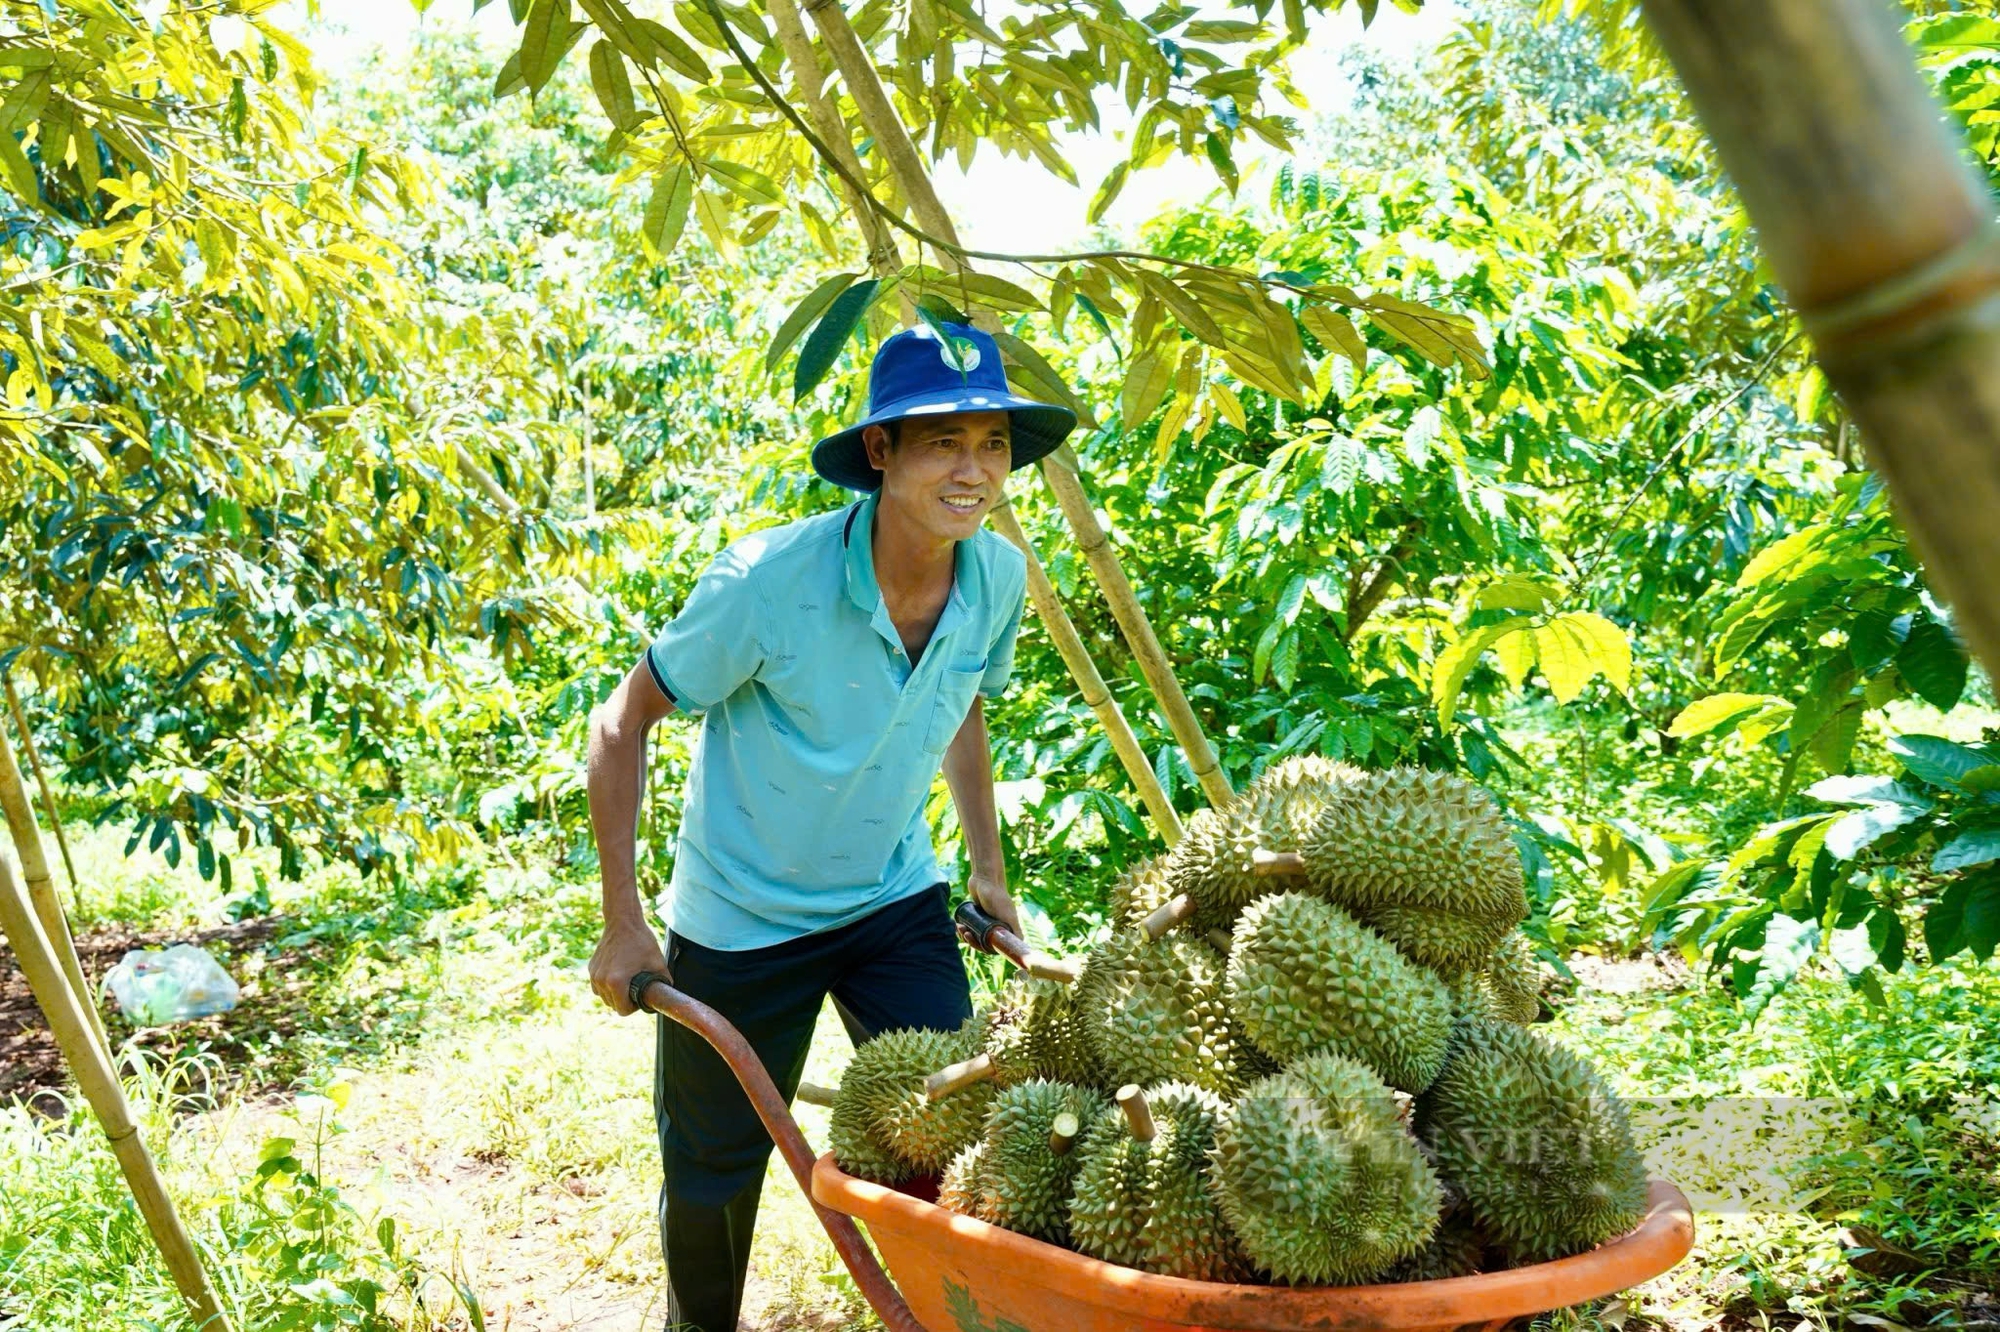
(1316, 1078)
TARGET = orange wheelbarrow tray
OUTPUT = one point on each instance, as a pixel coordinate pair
(958, 1274)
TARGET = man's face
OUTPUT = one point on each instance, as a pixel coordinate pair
(946, 472)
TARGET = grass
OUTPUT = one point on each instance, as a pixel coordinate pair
(429, 1057)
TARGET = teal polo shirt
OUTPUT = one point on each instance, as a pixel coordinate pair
(819, 738)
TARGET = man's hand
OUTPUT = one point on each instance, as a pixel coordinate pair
(990, 892)
(625, 950)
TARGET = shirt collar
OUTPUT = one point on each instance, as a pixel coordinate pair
(857, 536)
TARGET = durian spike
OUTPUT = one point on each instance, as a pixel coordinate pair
(1221, 940)
(1167, 915)
(957, 1077)
(1270, 864)
(1137, 1114)
(814, 1094)
(1062, 1133)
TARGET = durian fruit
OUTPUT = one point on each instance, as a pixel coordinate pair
(1030, 1156)
(1424, 859)
(1140, 891)
(958, 1187)
(1292, 791)
(1514, 979)
(1153, 1011)
(1540, 1147)
(1305, 976)
(883, 1127)
(1048, 1040)
(1142, 1196)
(1318, 1177)
(1212, 866)
(1456, 1250)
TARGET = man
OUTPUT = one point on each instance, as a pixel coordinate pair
(836, 663)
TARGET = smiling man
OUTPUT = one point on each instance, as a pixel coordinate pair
(835, 664)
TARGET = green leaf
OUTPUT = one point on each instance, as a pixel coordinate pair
(544, 40)
(835, 327)
(997, 292)
(1577, 645)
(1285, 660)
(1967, 850)
(1944, 923)
(1522, 592)
(1851, 834)
(1114, 181)
(1046, 381)
(612, 85)
(1455, 663)
(1185, 307)
(1719, 712)
(674, 51)
(1151, 374)
(505, 84)
(1938, 761)
(1788, 945)
(1336, 332)
(667, 210)
(804, 313)
(1934, 664)
(747, 183)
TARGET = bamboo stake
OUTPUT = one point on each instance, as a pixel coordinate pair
(42, 784)
(883, 259)
(42, 890)
(1883, 237)
(99, 1082)
(1090, 682)
(1059, 469)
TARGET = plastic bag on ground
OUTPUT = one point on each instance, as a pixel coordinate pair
(183, 982)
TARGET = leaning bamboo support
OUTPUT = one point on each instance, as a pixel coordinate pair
(99, 1082)
(41, 888)
(1090, 681)
(1882, 235)
(871, 101)
(1154, 664)
(42, 785)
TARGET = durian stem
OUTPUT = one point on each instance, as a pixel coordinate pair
(1040, 965)
(1269, 864)
(1167, 915)
(1221, 940)
(814, 1094)
(1062, 1134)
(956, 1077)
(1138, 1115)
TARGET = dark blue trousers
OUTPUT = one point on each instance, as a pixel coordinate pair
(897, 967)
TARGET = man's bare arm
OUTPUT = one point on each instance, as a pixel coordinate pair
(968, 771)
(617, 786)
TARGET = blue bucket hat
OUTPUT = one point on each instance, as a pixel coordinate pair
(913, 375)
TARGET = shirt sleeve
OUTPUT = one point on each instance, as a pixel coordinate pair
(1000, 655)
(713, 646)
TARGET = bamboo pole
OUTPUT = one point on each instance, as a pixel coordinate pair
(1058, 469)
(1090, 682)
(884, 258)
(1882, 235)
(41, 888)
(99, 1083)
(42, 784)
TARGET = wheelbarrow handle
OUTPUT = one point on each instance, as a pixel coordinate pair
(988, 935)
(651, 991)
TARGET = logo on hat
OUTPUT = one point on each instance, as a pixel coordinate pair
(965, 349)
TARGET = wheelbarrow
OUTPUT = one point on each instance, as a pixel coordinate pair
(954, 1273)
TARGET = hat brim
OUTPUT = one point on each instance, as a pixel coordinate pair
(1037, 428)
